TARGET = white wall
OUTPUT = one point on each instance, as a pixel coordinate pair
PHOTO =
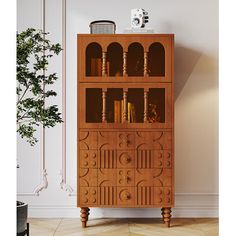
(195, 25)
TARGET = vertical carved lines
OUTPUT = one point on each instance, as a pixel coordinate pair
(144, 195)
(107, 159)
(144, 159)
(107, 195)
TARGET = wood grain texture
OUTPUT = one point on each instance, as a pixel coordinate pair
(123, 164)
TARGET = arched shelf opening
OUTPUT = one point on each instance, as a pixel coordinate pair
(93, 60)
(156, 60)
(114, 59)
(135, 59)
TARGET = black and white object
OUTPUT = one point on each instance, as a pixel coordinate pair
(139, 17)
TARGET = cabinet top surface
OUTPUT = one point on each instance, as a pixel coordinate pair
(125, 35)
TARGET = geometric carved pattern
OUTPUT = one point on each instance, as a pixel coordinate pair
(107, 159)
(144, 159)
(88, 195)
(125, 195)
(144, 195)
(107, 195)
(125, 177)
(125, 159)
(88, 158)
(125, 140)
(106, 177)
(125, 168)
(87, 140)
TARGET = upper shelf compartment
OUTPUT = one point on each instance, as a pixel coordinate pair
(125, 59)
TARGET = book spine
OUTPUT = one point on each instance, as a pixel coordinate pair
(129, 112)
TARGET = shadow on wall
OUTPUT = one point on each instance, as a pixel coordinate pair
(185, 61)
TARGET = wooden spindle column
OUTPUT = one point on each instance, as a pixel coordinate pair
(104, 64)
(125, 112)
(124, 63)
(104, 96)
(145, 67)
(145, 106)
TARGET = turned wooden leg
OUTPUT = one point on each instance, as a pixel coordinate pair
(84, 216)
(166, 215)
(162, 213)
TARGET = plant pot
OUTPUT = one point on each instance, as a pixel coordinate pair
(22, 214)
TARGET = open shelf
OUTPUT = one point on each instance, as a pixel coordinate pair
(156, 105)
(135, 59)
(115, 106)
(156, 60)
(93, 105)
(93, 60)
(114, 60)
(135, 105)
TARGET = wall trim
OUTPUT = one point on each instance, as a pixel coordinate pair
(186, 205)
(63, 184)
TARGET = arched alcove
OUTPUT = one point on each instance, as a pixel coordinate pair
(93, 60)
(156, 60)
(135, 59)
(114, 59)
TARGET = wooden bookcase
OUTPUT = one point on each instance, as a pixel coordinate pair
(125, 122)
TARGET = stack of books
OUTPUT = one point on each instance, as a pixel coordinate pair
(119, 110)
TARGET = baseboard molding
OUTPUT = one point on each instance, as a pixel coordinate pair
(187, 205)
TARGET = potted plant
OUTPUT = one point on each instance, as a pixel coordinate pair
(33, 53)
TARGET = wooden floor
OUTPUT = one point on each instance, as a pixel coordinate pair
(124, 227)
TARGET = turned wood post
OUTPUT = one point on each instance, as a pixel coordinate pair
(145, 106)
(84, 216)
(104, 63)
(124, 63)
(124, 115)
(145, 66)
(166, 214)
(104, 96)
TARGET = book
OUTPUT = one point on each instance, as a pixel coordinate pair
(132, 113)
(117, 111)
(129, 112)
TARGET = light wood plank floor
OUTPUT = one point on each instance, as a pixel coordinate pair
(124, 227)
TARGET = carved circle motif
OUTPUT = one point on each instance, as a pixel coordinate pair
(94, 155)
(93, 163)
(85, 192)
(159, 163)
(94, 192)
(125, 195)
(125, 158)
(85, 163)
(86, 155)
(85, 200)
(168, 163)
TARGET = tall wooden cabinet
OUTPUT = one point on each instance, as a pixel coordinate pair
(125, 122)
